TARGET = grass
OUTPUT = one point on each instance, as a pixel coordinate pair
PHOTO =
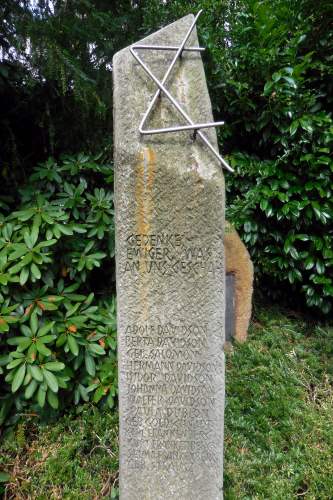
(279, 426)
(279, 415)
(73, 458)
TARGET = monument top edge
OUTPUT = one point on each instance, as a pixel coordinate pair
(185, 21)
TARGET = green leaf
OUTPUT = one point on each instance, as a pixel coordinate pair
(27, 240)
(51, 380)
(90, 364)
(30, 389)
(43, 349)
(110, 401)
(41, 395)
(34, 234)
(53, 399)
(287, 246)
(47, 218)
(268, 88)
(14, 340)
(89, 246)
(54, 366)
(306, 125)
(320, 267)
(48, 306)
(36, 372)
(302, 237)
(99, 393)
(24, 275)
(32, 353)
(263, 204)
(27, 378)
(37, 221)
(26, 331)
(47, 338)
(66, 230)
(45, 329)
(83, 392)
(18, 378)
(17, 268)
(14, 354)
(61, 340)
(19, 250)
(34, 323)
(309, 263)
(293, 252)
(24, 215)
(73, 345)
(15, 363)
(35, 271)
(22, 342)
(96, 349)
(44, 244)
(26, 259)
(293, 127)
(290, 80)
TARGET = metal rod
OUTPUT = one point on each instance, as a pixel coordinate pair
(168, 47)
(178, 128)
(178, 107)
(179, 51)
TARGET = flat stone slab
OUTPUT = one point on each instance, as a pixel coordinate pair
(169, 201)
(239, 267)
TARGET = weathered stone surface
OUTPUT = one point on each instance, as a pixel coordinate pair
(238, 262)
(169, 199)
(229, 307)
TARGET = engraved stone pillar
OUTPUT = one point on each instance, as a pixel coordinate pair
(169, 200)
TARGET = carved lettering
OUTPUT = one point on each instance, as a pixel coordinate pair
(166, 254)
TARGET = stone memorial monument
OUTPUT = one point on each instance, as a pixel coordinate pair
(169, 202)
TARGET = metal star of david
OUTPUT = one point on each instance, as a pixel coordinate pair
(161, 88)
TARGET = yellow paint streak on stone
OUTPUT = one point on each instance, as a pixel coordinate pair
(144, 182)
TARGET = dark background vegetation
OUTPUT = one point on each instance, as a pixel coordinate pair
(269, 69)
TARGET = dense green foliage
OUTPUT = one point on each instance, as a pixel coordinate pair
(269, 69)
(56, 337)
(56, 77)
(279, 436)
